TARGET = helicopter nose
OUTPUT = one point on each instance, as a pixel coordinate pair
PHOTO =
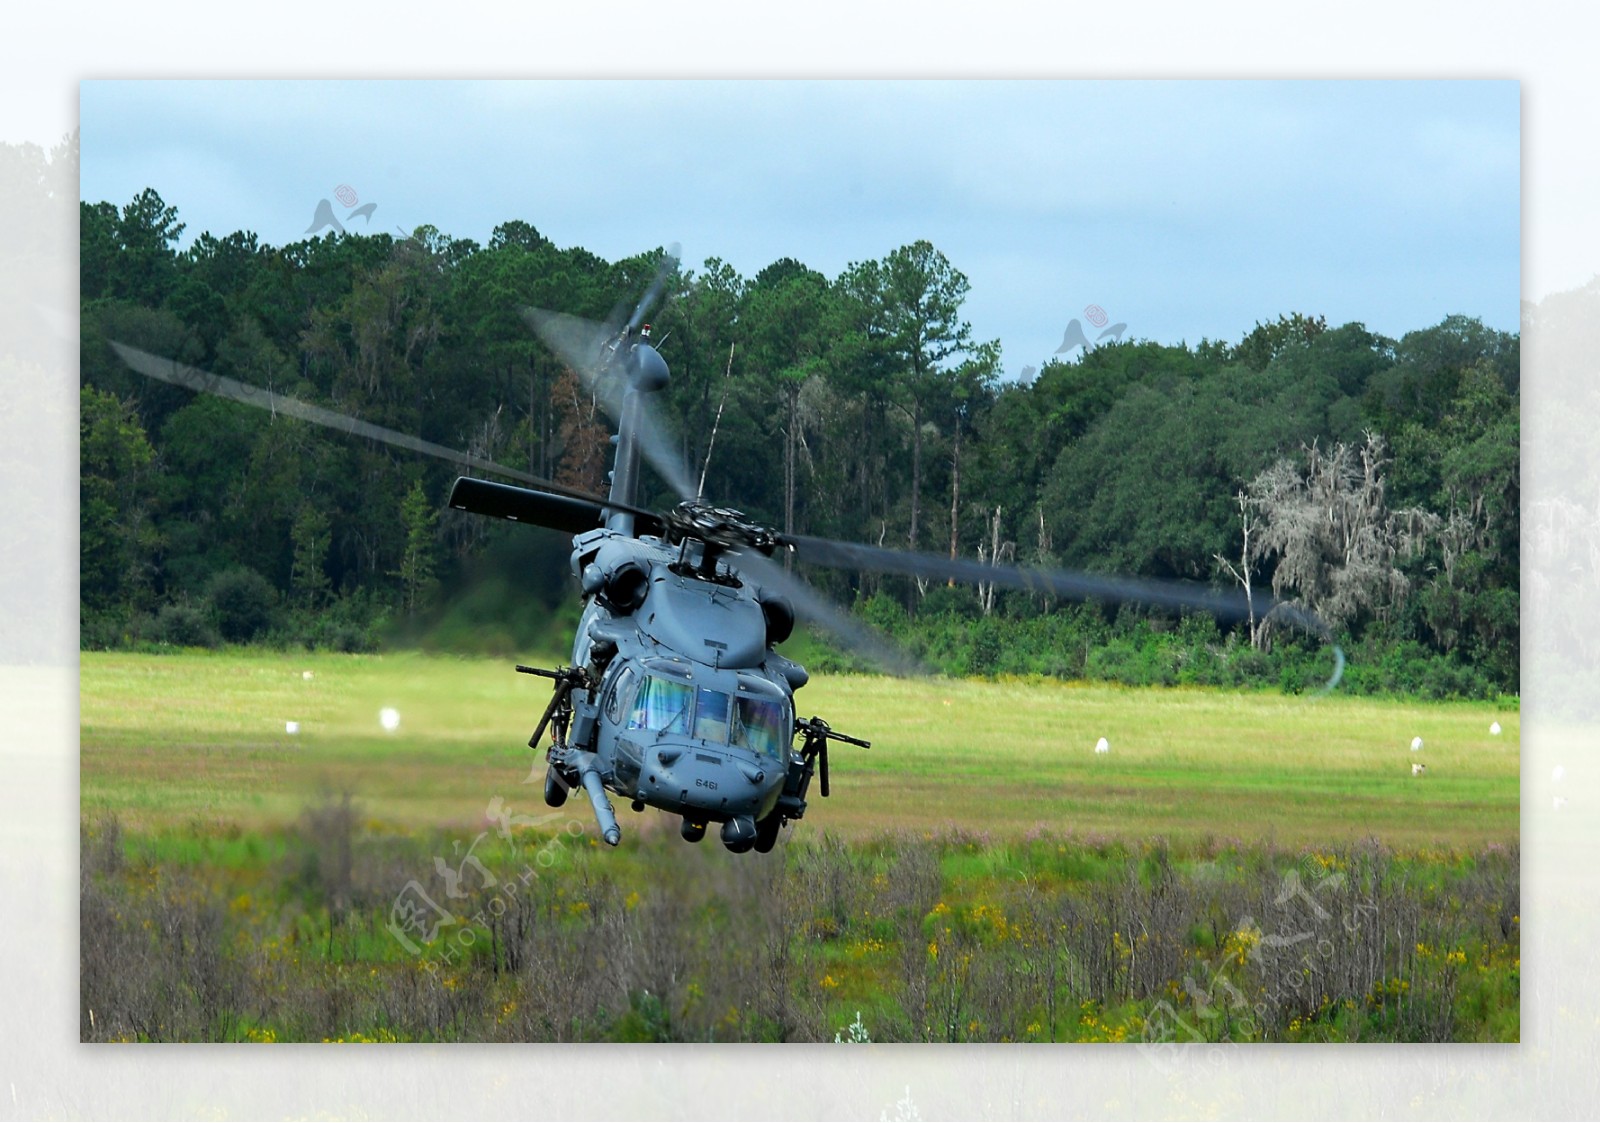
(706, 777)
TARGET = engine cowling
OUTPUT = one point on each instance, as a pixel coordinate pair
(779, 614)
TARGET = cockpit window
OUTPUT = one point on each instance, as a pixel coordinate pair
(753, 719)
(711, 716)
(662, 706)
(759, 724)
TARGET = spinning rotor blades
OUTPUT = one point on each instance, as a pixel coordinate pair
(546, 504)
(667, 266)
(168, 370)
(582, 345)
(1063, 583)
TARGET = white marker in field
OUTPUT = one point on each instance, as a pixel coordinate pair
(1418, 768)
(1494, 728)
(1559, 774)
(291, 727)
(1102, 746)
(306, 675)
(1416, 744)
(389, 718)
(1560, 802)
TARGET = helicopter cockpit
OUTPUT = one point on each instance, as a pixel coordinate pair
(755, 716)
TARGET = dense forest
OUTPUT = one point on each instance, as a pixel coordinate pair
(1375, 481)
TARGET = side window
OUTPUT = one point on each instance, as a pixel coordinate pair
(621, 699)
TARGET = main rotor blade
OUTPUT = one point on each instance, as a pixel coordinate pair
(577, 342)
(168, 370)
(1063, 583)
(819, 610)
(581, 345)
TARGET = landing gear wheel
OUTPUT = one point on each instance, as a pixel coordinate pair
(692, 832)
(555, 788)
(767, 833)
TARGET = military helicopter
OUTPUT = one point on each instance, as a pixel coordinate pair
(676, 696)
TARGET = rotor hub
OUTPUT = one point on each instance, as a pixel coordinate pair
(719, 527)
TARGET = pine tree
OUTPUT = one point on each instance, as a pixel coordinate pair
(310, 536)
(416, 563)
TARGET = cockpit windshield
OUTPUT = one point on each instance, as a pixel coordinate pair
(711, 715)
(754, 719)
(760, 724)
(662, 706)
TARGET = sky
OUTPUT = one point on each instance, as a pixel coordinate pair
(1183, 209)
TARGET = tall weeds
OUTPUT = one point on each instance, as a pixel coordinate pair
(949, 938)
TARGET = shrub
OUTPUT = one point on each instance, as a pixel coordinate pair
(242, 601)
(884, 613)
(182, 625)
(1115, 662)
(986, 649)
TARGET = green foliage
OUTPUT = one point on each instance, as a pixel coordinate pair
(1267, 342)
(354, 623)
(646, 1020)
(182, 625)
(242, 602)
(310, 536)
(416, 562)
(118, 539)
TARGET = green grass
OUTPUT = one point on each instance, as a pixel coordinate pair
(198, 738)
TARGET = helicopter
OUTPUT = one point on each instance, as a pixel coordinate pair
(676, 696)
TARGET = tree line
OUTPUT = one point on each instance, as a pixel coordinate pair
(1373, 480)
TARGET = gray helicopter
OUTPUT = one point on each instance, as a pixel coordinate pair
(676, 697)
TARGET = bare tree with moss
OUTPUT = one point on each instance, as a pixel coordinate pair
(1337, 543)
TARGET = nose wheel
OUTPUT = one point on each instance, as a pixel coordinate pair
(692, 832)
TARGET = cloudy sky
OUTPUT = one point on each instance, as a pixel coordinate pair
(1183, 209)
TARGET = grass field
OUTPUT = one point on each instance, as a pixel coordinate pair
(1238, 867)
(177, 739)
